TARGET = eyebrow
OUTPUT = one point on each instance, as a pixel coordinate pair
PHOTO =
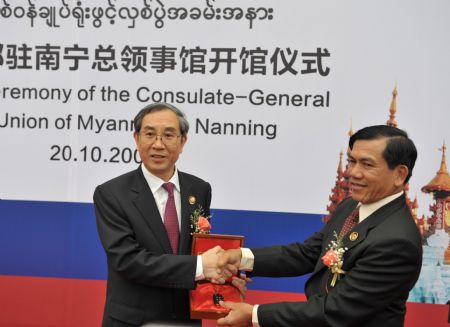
(151, 128)
(367, 159)
(363, 159)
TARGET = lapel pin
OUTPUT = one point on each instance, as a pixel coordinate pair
(353, 236)
(191, 199)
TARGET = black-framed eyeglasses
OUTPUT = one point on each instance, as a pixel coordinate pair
(167, 138)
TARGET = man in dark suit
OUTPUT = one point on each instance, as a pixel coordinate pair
(150, 269)
(361, 274)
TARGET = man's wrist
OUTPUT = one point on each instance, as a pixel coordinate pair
(247, 259)
(255, 321)
(199, 269)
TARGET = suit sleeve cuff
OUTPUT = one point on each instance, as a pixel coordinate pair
(247, 260)
(199, 269)
(255, 321)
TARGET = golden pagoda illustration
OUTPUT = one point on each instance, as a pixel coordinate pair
(392, 121)
(393, 109)
(439, 187)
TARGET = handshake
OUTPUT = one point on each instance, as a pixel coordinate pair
(219, 264)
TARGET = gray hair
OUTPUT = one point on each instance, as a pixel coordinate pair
(160, 106)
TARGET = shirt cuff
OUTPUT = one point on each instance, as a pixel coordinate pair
(199, 269)
(247, 260)
(255, 316)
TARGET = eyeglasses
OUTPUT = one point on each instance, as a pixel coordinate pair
(168, 138)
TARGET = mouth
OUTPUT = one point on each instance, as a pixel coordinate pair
(356, 186)
(157, 156)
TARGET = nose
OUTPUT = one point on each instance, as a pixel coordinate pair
(354, 171)
(158, 143)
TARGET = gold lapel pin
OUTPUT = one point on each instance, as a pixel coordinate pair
(353, 236)
(191, 199)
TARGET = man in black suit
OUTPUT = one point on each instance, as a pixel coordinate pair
(361, 274)
(149, 272)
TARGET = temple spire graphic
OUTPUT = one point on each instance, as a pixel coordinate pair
(350, 131)
(340, 190)
(393, 109)
(392, 121)
(439, 187)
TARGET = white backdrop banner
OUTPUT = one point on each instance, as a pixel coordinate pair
(269, 87)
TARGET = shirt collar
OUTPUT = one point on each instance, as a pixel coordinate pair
(155, 183)
(365, 210)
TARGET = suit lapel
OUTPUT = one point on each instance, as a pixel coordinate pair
(186, 210)
(334, 225)
(362, 229)
(321, 273)
(372, 221)
(145, 203)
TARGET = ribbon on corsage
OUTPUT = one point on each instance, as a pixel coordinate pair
(334, 258)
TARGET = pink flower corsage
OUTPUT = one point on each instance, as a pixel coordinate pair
(334, 258)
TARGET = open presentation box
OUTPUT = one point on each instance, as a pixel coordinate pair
(202, 297)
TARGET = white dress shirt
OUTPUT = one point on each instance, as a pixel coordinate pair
(160, 194)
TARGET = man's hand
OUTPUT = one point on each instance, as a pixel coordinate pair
(210, 260)
(241, 284)
(229, 262)
(239, 316)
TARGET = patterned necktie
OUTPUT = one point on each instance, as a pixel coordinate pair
(171, 218)
(350, 222)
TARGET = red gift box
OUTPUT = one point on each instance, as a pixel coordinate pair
(201, 298)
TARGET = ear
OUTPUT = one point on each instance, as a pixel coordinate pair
(402, 172)
(136, 137)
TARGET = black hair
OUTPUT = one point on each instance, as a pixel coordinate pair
(400, 149)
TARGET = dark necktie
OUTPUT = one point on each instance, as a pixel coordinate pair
(171, 218)
(350, 222)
